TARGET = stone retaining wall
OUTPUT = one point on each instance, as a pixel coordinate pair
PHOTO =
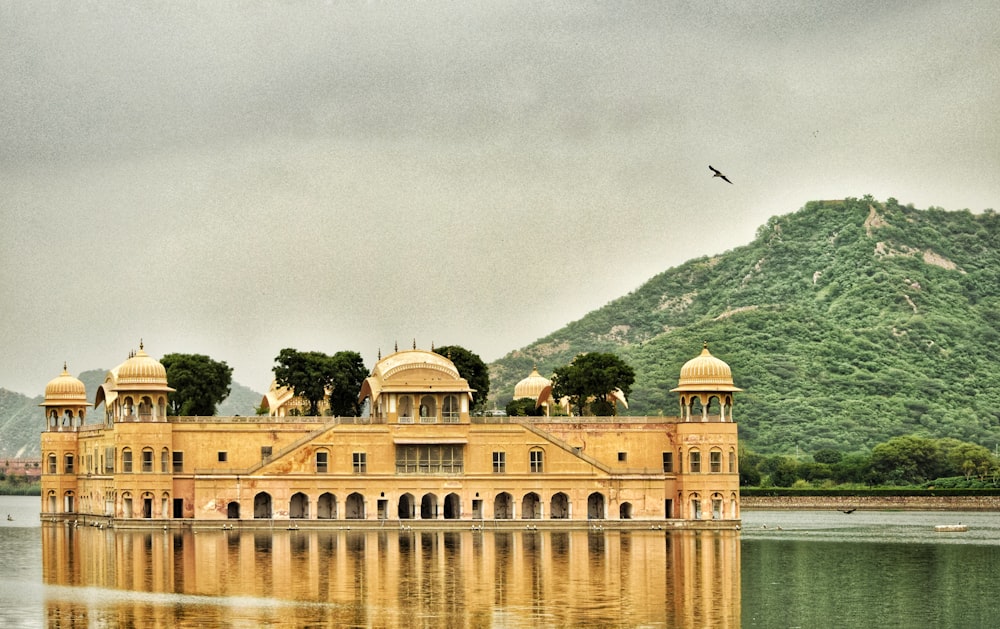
(912, 503)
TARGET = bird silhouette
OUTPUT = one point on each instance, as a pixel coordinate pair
(849, 510)
(719, 174)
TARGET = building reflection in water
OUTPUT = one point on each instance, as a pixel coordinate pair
(390, 578)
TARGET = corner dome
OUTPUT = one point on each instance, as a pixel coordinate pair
(65, 389)
(532, 386)
(706, 373)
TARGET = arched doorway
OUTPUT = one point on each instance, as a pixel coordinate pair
(452, 507)
(326, 507)
(625, 511)
(429, 507)
(559, 508)
(595, 506)
(407, 509)
(355, 507)
(233, 510)
(503, 506)
(298, 506)
(262, 505)
(531, 507)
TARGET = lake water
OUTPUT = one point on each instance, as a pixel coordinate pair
(784, 569)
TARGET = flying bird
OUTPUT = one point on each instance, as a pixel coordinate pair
(718, 174)
(849, 510)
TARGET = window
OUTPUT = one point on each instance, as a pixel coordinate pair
(265, 453)
(109, 460)
(52, 464)
(429, 459)
(694, 462)
(147, 461)
(405, 410)
(668, 462)
(360, 463)
(535, 461)
(499, 462)
(165, 461)
(127, 461)
(732, 462)
(69, 463)
(321, 462)
(715, 462)
(178, 462)
(223, 456)
(622, 457)
(449, 411)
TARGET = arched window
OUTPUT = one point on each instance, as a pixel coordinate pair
(428, 410)
(715, 461)
(68, 467)
(405, 409)
(559, 508)
(326, 507)
(164, 461)
(732, 461)
(262, 505)
(127, 460)
(536, 461)
(694, 462)
(146, 408)
(450, 410)
(298, 507)
(531, 507)
(147, 460)
(52, 464)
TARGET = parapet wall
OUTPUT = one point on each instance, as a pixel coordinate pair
(911, 503)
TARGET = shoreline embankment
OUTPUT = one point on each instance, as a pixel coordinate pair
(886, 503)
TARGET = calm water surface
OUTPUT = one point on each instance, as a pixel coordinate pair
(785, 569)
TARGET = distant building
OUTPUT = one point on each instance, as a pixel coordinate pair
(417, 454)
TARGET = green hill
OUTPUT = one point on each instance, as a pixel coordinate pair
(847, 322)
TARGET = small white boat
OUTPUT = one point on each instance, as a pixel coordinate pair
(951, 528)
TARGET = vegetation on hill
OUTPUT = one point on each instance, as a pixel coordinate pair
(906, 461)
(847, 323)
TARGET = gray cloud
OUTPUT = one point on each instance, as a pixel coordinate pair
(236, 178)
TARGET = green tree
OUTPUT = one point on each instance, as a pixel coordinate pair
(471, 367)
(307, 374)
(347, 376)
(908, 459)
(525, 407)
(592, 376)
(965, 459)
(828, 456)
(201, 383)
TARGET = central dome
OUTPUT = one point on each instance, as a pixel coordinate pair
(142, 369)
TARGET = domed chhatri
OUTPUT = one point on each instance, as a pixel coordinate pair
(706, 373)
(706, 387)
(65, 388)
(65, 401)
(416, 452)
(140, 371)
(135, 390)
(531, 386)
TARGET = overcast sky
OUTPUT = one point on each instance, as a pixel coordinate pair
(233, 178)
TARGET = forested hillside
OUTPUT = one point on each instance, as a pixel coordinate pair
(847, 322)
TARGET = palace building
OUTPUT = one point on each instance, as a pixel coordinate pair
(417, 454)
